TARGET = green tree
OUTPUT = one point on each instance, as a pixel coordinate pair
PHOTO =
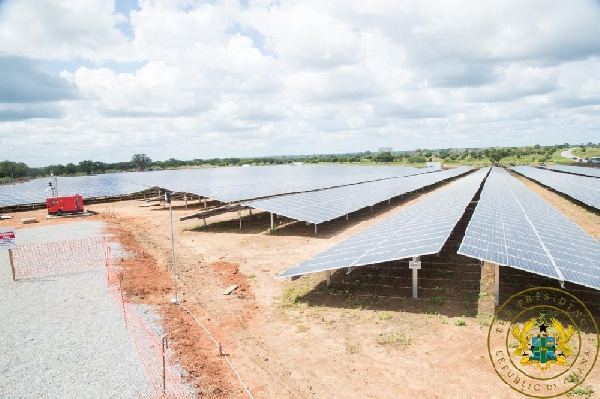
(140, 161)
(384, 156)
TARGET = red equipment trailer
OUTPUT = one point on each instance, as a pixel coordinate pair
(67, 204)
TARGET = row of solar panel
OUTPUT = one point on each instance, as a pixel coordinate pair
(513, 226)
(578, 170)
(581, 188)
(223, 184)
(324, 205)
(419, 229)
(510, 226)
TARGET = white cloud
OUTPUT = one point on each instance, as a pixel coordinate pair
(222, 78)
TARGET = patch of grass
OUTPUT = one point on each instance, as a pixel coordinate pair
(437, 299)
(483, 295)
(582, 391)
(460, 322)
(385, 316)
(353, 348)
(354, 302)
(573, 378)
(484, 318)
(251, 276)
(291, 295)
(393, 338)
(302, 328)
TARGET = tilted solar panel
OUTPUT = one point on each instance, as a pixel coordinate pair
(513, 226)
(582, 188)
(419, 229)
(328, 204)
(578, 170)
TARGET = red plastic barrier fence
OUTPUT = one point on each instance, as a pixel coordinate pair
(38, 259)
(30, 260)
(158, 365)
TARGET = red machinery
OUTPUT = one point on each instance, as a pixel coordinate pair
(69, 204)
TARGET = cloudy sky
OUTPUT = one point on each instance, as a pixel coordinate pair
(185, 79)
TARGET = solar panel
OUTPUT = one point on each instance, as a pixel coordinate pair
(324, 205)
(419, 229)
(224, 184)
(582, 188)
(37, 190)
(578, 170)
(513, 226)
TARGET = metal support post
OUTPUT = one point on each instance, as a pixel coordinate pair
(240, 216)
(497, 284)
(315, 228)
(176, 299)
(272, 224)
(415, 283)
(328, 278)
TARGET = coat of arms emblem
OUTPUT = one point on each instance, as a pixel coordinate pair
(543, 348)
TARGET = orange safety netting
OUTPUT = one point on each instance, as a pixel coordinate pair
(30, 260)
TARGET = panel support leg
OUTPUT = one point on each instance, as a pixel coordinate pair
(315, 228)
(328, 278)
(497, 285)
(272, 223)
(240, 216)
(204, 203)
(415, 283)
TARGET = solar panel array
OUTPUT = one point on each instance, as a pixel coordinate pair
(582, 188)
(324, 205)
(419, 229)
(578, 170)
(223, 184)
(239, 183)
(513, 226)
(37, 190)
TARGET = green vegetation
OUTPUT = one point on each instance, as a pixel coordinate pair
(504, 156)
(460, 322)
(393, 338)
(582, 391)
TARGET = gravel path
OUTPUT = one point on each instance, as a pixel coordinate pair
(62, 336)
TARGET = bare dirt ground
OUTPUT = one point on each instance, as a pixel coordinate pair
(362, 337)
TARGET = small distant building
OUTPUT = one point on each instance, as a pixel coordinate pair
(435, 165)
(297, 163)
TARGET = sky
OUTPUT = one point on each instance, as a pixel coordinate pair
(103, 80)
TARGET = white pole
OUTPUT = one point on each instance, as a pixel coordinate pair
(497, 284)
(272, 224)
(328, 278)
(415, 283)
(176, 299)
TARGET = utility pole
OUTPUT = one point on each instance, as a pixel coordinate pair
(168, 201)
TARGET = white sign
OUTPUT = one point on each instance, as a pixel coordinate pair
(414, 264)
(7, 239)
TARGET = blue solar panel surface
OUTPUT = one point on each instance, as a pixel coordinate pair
(578, 170)
(324, 205)
(513, 226)
(223, 184)
(582, 188)
(419, 229)
(37, 190)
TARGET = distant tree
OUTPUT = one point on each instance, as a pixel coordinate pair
(86, 166)
(71, 168)
(384, 156)
(140, 161)
(13, 169)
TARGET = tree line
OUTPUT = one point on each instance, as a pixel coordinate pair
(10, 170)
